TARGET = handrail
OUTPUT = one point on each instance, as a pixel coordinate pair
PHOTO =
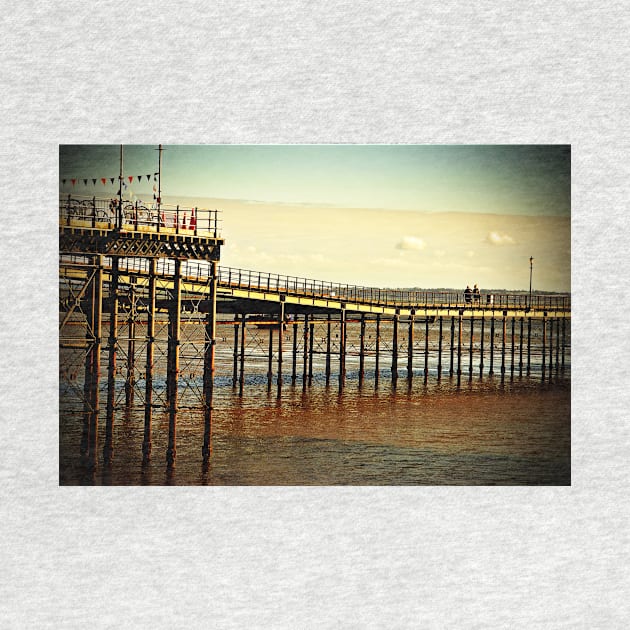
(231, 277)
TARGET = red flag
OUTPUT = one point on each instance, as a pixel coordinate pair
(130, 178)
(103, 180)
(74, 181)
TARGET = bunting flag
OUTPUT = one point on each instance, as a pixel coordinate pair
(104, 180)
(130, 178)
(94, 182)
(74, 181)
(63, 181)
(112, 180)
(85, 182)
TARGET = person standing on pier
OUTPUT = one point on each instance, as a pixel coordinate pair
(476, 294)
(468, 294)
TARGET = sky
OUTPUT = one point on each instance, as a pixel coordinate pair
(425, 216)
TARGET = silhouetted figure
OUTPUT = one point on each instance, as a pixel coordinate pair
(476, 294)
(468, 295)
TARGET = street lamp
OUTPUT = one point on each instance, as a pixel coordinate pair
(531, 268)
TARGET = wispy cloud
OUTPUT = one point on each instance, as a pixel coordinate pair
(411, 243)
(498, 238)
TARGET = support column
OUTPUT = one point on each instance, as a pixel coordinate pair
(395, 350)
(130, 381)
(362, 351)
(512, 354)
(439, 366)
(557, 343)
(550, 348)
(544, 347)
(342, 348)
(305, 363)
(210, 340)
(491, 370)
(280, 343)
(172, 376)
(504, 322)
(459, 349)
(564, 340)
(520, 351)
(328, 350)
(241, 377)
(451, 370)
(410, 341)
(426, 347)
(470, 350)
(270, 359)
(483, 332)
(529, 345)
(294, 358)
(148, 390)
(377, 357)
(235, 365)
(311, 341)
(108, 447)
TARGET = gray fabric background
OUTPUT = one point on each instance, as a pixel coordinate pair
(304, 72)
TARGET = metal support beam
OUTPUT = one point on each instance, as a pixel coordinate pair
(174, 317)
(108, 447)
(439, 366)
(280, 348)
(148, 391)
(210, 340)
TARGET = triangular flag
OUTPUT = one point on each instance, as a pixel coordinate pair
(74, 181)
(93, 182)
(85, 182)
(139, 178)
(111, 179)
(148, 177)
(63, 181)
(103, 180)
(130, 178)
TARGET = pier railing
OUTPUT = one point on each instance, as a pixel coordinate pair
(110, 213)
(258, 281)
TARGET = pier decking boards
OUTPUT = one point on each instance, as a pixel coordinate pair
(147, 290)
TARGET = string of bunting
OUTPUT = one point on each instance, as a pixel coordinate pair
(104, 180)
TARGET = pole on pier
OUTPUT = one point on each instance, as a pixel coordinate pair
(270, 359)
(377, 351)
(362, 351)
(328, 350)
(108, 447)
(172, 376)
(210, 340)
(557, 343)
(395, 349)
(564, 340)
(280, 342)
(130, 381)
(439, 366)
(294, 358)
(470, 349)
(241, 376)
(451, 370)
(410, 348)
(459, 349)
(550, 348)
(483, 332)
(491, 370)
(342, 348)
(148, 391)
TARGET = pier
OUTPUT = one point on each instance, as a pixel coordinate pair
(145, 307)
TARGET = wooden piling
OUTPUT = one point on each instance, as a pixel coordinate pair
(459, 349)
(305, 363)
(235, 364)
(544, 347)
(529, 345)
(108, 447)
(210, 340)
(520, 350)
(557, 343)
(172, 376)
(311, 341)
(564, 340)
(451, 371)
(148, 391)
(270, 359)
(512, 356)
(483, 332)
(550, 348)
(426, 347)
(504, 326)
(294, 357)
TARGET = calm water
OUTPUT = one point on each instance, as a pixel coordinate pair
(480, 433)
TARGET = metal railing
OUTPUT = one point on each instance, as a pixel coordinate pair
(258, 281)
(138, 216)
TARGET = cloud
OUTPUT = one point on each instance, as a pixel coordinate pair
(497, 238)
(411, 243)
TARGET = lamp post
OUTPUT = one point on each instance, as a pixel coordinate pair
(531, 268)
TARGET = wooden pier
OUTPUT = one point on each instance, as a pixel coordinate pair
(144, 287)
